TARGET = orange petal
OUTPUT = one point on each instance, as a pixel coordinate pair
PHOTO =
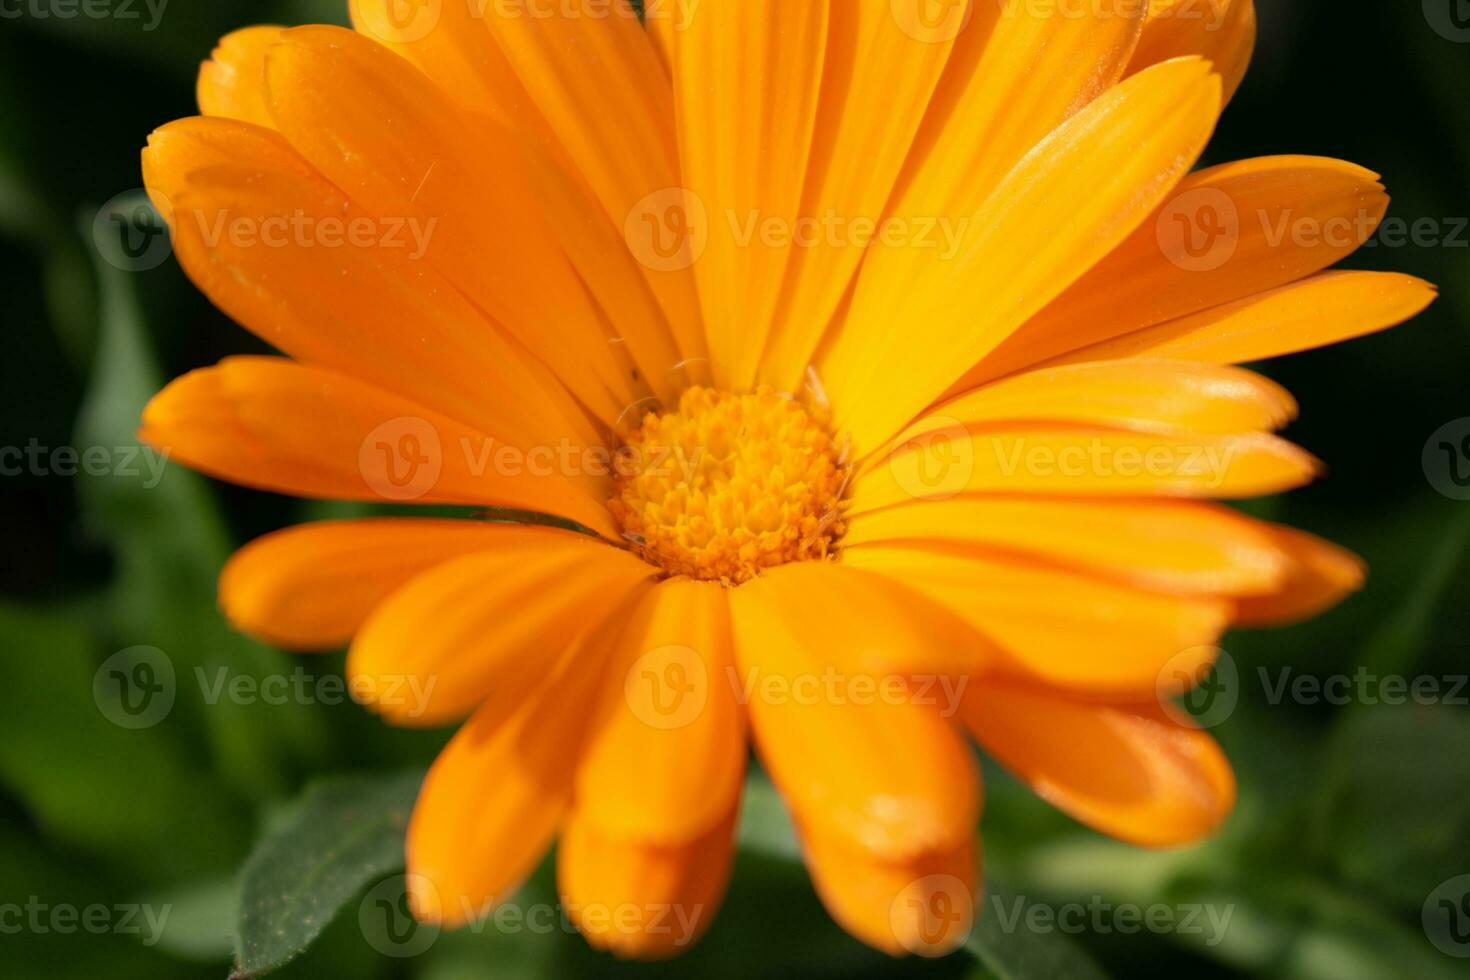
(492, 801)
(1319, 576)
(232, 83)
(1181, 547)
(489, 625)
(866, 121)
(1135, 393)
(860, 753)
(289, 257)
(925, 905)
(1054, 626)
(1325, 309)
(1062, 460)
(370, 122)
(311, 587)
(640, 900)
(274, 424)
(1225, 233)
(1224, 31)
(604, 97)
(1080, 193)
(747, 77)
(666, 757)
(1131, 772)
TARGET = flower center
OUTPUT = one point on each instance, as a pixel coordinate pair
(727, 485)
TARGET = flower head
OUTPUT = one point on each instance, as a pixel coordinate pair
(874, 359)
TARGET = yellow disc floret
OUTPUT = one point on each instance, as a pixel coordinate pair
(726, 485)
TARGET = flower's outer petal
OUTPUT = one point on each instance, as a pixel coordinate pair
(494, 798)
(275, 424)
(311, 587)
(1015, 73)
(1078, 460)
(1315, 312)
(863, 754)
(1018, 70)
(1054, 626)
(746, 78)
(1320, 575)
(662, 19)
(232, 82)
(1225, 233)
(1183, 547)
(377, 127)
(1070, 202)
(488, 625)
(1224, 31)
(638, 899)
(267, 239)
(866, 122)
(924, 905)
(1136, 393)
(885, 637)
(451, 44)
(1131, 771)
(666, 756)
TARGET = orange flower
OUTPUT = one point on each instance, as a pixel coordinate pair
(879, 352)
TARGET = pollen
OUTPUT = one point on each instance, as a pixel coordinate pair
(727, 485)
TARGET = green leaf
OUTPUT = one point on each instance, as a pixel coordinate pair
(343, 834)
(126, 795)
(169, 539)
(1392, 809)
(1008, 948)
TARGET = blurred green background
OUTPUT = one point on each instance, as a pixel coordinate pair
(1354, 821)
